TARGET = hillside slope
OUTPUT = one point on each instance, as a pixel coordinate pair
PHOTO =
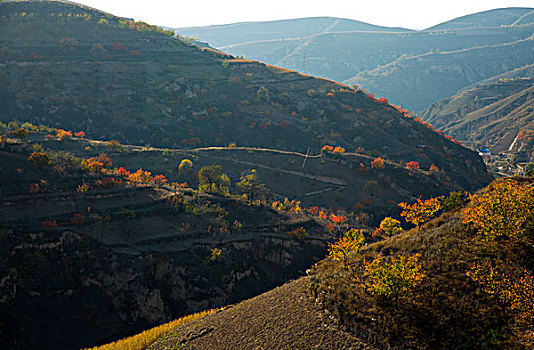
(282, 318)
(497, 114)
(448, 309)
(418, 81)
(86, 258)
(75, 68)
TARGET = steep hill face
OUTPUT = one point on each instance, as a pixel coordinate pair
(418, 81)
(83, 267)
(283, 318)
(447, 309)
(77, 68)
(498, 114)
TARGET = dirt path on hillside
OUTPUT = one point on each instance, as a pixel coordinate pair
(283, 318)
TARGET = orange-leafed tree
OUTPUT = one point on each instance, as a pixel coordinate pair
(141, 176)
(63, 134)
(160, 180)
(412, 165)
(40, 159)
(327, 148)
(421, 211)
(123, 172)
(515, 289)
(338, 219)
(378, 163)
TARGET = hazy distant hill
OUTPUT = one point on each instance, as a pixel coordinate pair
(492, 18)
(339, 49)
(245, 32)
(418, 81)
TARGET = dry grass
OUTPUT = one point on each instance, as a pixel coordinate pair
(144, 339)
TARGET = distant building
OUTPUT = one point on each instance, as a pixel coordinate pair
(484, 152)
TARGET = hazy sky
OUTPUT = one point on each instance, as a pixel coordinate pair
(413, 14)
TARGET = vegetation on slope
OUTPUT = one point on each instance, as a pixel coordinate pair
(143, 340)
(463, 281)
(359, 186)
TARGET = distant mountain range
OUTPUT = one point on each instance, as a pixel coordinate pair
(364, 54)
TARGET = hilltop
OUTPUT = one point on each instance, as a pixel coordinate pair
(247, 32)
(511, 16)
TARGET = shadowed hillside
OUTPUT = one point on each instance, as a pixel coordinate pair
(87, 258)
(116, 79)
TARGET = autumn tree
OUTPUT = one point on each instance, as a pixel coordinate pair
(212, 180)
(250, 187)
(40, 159)
(412, 165)
(185, 167)
(378, 163)
(20, 133)
(63, 134)
(288, 205)
(141, 176)
(505, 212)
(529, 169)
(454, 200)
(388, 227)
(344, 247)
(421, 211)
(394, 276)
(515, 289)
(216, 255)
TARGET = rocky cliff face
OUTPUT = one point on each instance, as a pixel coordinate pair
(61, 290)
